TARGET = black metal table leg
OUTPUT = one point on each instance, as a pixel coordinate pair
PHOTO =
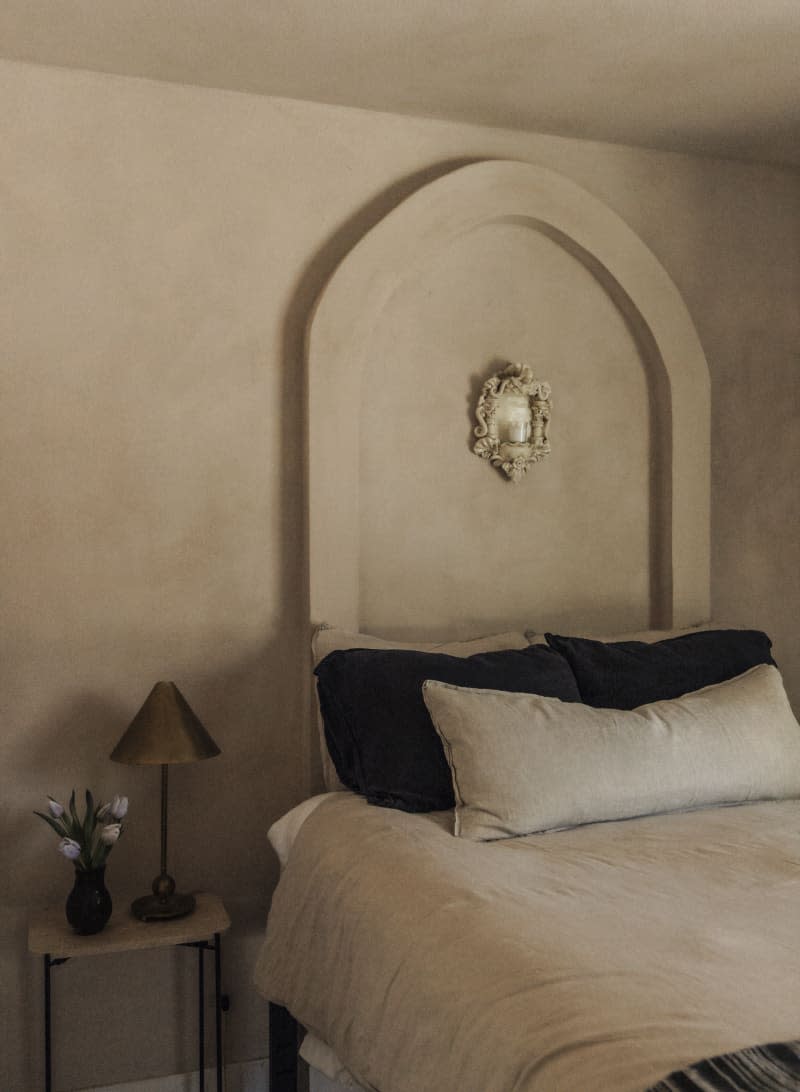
(48, 1061)
(201, 1014)
(218, 1004)
(49, 962)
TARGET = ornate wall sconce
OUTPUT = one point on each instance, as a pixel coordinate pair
(513, 415)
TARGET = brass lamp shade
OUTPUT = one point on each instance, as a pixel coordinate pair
(164, 732)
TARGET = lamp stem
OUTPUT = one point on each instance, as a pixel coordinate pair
(164, 903)
(164, 787)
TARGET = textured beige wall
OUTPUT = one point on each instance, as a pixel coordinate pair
(521, 552)
(161, 248)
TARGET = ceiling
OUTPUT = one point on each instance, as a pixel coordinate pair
(714, 76)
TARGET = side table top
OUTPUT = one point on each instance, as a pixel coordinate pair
(50, 933)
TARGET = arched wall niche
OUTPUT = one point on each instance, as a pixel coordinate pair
(396, 251)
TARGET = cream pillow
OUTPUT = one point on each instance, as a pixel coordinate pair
(649, 636)
(523, 763)
(330, 639)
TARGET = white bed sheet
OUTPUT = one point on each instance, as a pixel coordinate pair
(283, 833)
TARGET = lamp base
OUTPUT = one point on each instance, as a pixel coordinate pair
(154, 908)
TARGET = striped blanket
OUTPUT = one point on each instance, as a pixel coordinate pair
(771, 1068)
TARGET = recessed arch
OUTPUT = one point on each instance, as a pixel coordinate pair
(397, 249)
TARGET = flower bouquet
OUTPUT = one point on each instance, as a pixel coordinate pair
(87, 842)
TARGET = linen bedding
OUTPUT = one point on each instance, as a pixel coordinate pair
(603, 957)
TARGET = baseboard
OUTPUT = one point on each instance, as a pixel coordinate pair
(239, 1077)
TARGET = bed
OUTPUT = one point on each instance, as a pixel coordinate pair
(606, 949)
(438, 925)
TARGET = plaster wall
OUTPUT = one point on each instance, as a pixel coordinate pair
(162, 247)
(503, 292)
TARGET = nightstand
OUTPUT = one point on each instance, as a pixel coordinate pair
(51, 937)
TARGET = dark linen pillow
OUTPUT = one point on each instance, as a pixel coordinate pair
(378, 730)
(627, 674)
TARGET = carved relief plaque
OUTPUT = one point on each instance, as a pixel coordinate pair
(513, 415)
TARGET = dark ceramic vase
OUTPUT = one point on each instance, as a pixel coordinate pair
(89, 903)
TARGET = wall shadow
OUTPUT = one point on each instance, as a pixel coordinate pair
(294, 563)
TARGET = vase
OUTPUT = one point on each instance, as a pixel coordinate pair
(89, 903)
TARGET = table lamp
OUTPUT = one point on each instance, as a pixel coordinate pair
(165, 731)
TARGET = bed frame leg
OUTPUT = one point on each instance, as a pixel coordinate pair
(283, 1043)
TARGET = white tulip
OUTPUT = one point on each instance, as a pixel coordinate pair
(70, 848)
(56, 809)
(109, 834)
(119, 807)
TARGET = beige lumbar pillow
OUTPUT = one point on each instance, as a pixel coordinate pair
(522, 763)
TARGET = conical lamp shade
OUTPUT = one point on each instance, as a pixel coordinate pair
(164, 731)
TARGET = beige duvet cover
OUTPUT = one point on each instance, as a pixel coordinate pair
(597, 959)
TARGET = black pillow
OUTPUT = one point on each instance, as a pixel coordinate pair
(378, 730)
(626, 674)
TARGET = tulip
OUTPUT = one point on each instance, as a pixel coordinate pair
(119, 807)
(103, 811)
(56, 809)
(70, 848)
(109, 834)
